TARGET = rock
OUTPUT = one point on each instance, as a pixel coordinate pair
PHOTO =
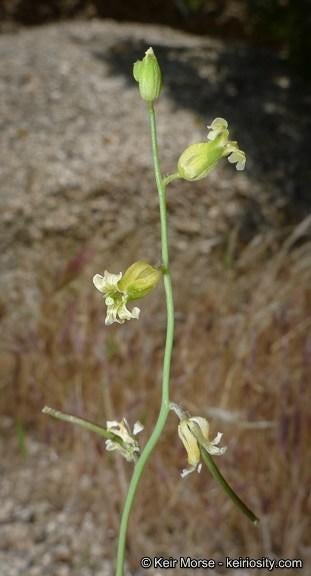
(75, 144)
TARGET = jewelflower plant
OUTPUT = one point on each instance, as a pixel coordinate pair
(137, 282)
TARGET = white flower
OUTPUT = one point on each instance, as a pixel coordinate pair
(115, 298)
(200, 158)
(217, 127)
(237, 157)
(129, 447)
(194, 433)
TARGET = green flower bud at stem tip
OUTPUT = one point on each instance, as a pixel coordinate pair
(139, 279)
(148, 75)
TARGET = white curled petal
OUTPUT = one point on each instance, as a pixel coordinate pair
(214, 450)
(112, 279)
(99, 282)
(109, 319)
(217, 438)
(110, 445)
(125, 423)
(129, 456)
(127, 452)
(241, 165)
(234, 157)
(199, 427)
(129, 447)
(135, 313)
(186, 471)
(112, 424)
(124, 313)
(107, 281)
(219, 124)
(212, 135)
(138, 427)
(121, 429)
(203, 425)
(109, 301)
(111, 316)
(238, 157)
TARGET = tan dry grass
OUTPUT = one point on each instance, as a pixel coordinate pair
(242, 357)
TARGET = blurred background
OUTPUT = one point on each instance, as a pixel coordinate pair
(78, 197)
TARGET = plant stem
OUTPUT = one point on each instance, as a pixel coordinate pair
(215, 472)
(86, 424)
(164, 409)
(170, 178)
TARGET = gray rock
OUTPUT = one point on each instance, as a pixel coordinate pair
(75, 159)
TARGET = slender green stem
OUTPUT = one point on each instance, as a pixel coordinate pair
(164, 409)
(86, 424)
(168, 179)
(215, 472)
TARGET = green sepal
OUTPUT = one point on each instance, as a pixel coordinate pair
(200, 158)
(139, 280)
(137, 68)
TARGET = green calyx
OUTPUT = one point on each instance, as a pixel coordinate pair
(139, 279)
(148, 75)
(199, 159)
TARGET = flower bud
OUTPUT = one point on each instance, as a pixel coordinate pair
(148, 75)
(139, 279)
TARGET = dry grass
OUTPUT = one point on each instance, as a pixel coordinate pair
(242, 357)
